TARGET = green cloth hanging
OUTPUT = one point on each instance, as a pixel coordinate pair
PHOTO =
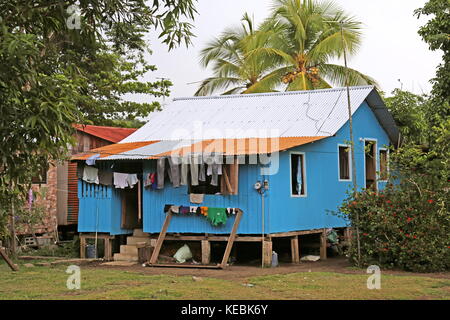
(217, 216)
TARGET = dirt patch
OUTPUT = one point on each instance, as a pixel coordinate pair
(242, 272)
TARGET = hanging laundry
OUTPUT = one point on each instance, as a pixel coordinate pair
(217, 216)
(120, 180)
(150, 181)
(196, 198)
(147, 180)
(204, 211)
(167, 207)
(201, 173)
(105, 177)
(90, 175)
(214, 169)
(184, 210)
(184, 173)
(193, 166)
(160, 164)
(91, 160)
(174, 171)
(132, 179)
(193, 209)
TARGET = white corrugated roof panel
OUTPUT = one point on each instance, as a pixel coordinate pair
(287, 114)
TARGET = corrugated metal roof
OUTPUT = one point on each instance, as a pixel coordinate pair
(208, 124)
(111, 134)
(287, 114)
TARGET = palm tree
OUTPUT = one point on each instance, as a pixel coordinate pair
(309, 36)
(234, 69)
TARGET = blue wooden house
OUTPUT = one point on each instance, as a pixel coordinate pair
(284, 163)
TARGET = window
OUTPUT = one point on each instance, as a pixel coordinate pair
(344, 163)
(384, 164)
(298, 174)
(228, 181)
(41, 176)
(204, 187)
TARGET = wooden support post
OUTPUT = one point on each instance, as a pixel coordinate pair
(161, 237)
(108, 248)
(226, 255)
(295, 252)
(323, 245)
(8, 261)
(206, 252)
(267, 256)
(82, 246)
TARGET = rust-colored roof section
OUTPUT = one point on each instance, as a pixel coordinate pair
(229, 147)
(111, 149)
(111, 134)
(245, 146)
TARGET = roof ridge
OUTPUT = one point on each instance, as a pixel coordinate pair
(273, 93)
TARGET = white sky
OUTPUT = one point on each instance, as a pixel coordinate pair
(391, 48)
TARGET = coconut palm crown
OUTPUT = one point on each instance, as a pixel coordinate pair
(292, 50)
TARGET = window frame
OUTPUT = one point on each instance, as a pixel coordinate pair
(349, 162)
(387, 164)
(305, 194)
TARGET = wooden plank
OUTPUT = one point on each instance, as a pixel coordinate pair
(211, 238)
(234, 175)
(295, 253)
(139, 200)
(227, 181)
(323, 245)
(267, 253)
(294, 233)
(8, 260)
(226, 255)
(206, 252)
(161, 237)
(82, 246)
(179, 265)
(108, 249)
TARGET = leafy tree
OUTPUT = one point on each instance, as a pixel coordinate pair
(409, 111)
(55, 72)
(436, 32)
(407, 224)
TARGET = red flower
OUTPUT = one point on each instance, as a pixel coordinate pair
(365, 234)
(389, 201)
(409, 219)
(407, 235)
(415, 237)
(354, 203)
(430, 201)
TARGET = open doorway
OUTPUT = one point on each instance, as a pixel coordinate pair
(370, 147)
(131, 211)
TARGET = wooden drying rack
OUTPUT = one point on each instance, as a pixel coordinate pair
(162, 236)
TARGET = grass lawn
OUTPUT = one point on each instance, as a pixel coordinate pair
(110, 283)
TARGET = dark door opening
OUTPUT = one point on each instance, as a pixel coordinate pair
(370, 148)
(131, 218)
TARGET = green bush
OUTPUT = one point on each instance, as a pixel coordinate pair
(401, 226)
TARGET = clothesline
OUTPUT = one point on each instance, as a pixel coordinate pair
(216, 216)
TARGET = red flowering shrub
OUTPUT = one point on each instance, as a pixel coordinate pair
(401, 227)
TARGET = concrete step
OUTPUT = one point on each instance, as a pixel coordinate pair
(134, 240)
(129, 250)
(139, 233)
(124, 257)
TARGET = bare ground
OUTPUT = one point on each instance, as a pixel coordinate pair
(242, 272)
